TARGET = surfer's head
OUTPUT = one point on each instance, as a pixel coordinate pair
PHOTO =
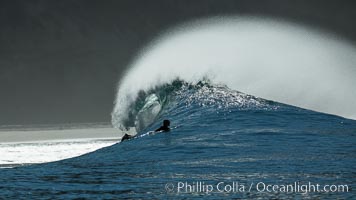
(166, 123)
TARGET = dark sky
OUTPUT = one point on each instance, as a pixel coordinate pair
(60, 60)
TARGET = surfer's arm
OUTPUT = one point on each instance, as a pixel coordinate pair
(159, 129)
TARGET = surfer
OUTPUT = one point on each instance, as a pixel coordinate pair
(126, 137)
(163, 128)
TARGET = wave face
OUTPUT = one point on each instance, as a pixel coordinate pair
(267, 58)
(218, 135)
(150, 104)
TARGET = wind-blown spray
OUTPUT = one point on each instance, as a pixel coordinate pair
(267, 58)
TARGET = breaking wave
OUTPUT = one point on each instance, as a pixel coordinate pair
(266, 58)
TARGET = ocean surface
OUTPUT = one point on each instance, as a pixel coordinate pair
(14, 154)
(223, 144)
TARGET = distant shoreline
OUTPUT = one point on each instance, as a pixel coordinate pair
(36, 134)
(71, 140)
(35, 127)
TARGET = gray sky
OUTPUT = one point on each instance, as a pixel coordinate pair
(60, 60)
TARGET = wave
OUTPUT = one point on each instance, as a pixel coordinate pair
(181, 95)
(222, 135)
(267, 58)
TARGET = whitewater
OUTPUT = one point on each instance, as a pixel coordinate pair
(267, 58)
(242, 109)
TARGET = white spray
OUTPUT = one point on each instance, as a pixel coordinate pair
(267, 58)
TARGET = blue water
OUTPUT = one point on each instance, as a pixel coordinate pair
(220, 136)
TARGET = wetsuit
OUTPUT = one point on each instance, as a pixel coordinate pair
(163, 128)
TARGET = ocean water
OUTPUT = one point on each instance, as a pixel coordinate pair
(223, 144)
(15, 154)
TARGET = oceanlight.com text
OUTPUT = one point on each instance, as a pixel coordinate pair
(260, 187)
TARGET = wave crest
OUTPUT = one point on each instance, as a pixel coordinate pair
(266, 58)
(150, 104)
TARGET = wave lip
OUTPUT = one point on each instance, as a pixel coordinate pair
(267, 58)
(180, 95)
